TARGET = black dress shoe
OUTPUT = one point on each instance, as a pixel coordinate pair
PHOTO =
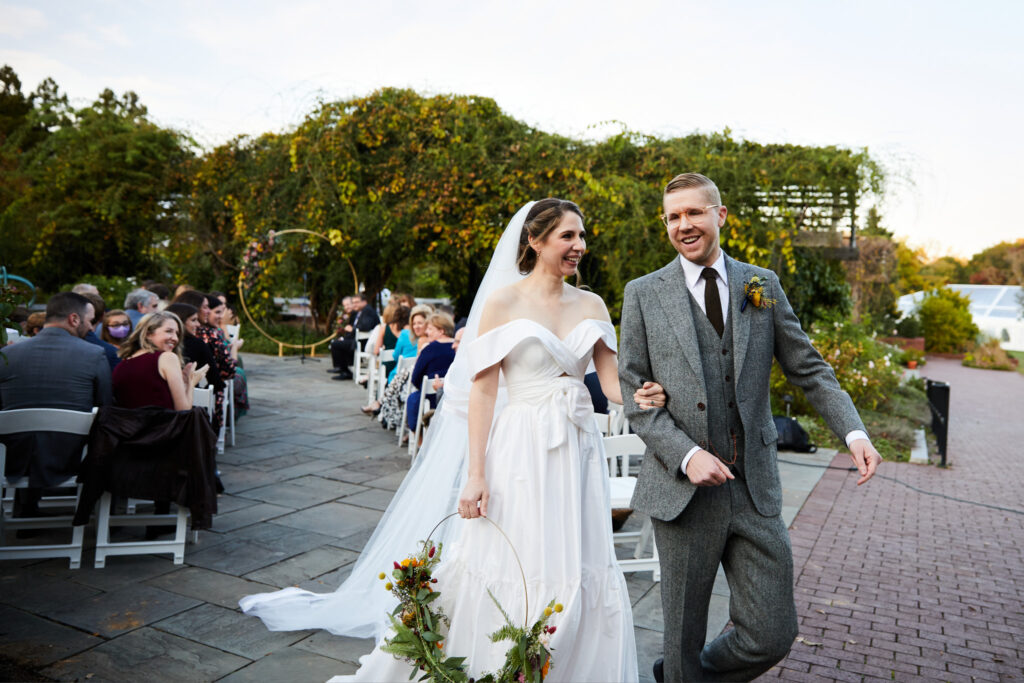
(343, 375)
(334, 371)
(659, 670)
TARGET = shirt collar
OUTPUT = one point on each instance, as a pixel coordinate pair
(692, 271)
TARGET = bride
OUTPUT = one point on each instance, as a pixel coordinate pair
(535, 467)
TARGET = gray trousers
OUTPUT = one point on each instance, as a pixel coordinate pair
(720, 524)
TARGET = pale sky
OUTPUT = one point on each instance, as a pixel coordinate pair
(933, 89)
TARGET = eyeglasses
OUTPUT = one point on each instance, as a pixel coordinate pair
(672, 220)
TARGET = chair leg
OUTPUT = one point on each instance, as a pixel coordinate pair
(230, 412)
(103, 531)
(179, 535)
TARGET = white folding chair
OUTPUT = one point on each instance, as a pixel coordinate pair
(619, 450)
(361, 358)
(204, 398)
(378, 375)
(414, 438)
(616, 419)
(105, 547)
(233, 331)
(42, 420)
(403, 365)
(229, 408)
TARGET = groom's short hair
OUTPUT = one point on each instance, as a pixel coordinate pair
(685, 181)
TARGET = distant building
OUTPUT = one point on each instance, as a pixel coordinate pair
(996, 309)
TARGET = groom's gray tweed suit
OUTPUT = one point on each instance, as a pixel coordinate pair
(718, 399)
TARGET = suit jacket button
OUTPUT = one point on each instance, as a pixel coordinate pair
(725, 352)
(728, 378)
(700, 406)
(731, 404)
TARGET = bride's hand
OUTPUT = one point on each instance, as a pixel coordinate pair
(650, 395)
(474, 492)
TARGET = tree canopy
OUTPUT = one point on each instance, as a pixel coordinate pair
(397, 181)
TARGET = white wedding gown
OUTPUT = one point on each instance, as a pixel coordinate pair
(549, 493)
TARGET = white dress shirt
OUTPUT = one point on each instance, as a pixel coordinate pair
(695, 283)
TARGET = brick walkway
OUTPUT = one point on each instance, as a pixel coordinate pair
(893, 584)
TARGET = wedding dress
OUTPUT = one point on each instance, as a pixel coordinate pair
(555, 510)
(548, 486)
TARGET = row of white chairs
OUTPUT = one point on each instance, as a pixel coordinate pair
(78, 423)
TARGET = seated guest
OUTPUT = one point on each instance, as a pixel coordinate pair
(343, 350)
(433, 361)
(54, 369)
(34, 323)
(151, 372)
(162, 292)
(211, 335)
(438, 382)
(406, 346)
(194, 349)
(395, 320)
(215, 320)
(230, 317)
(116, 327)
(84, 288)
(109, 349)
(138, 303)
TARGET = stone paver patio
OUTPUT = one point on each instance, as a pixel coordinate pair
(306, 484)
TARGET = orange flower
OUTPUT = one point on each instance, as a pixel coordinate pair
(544, 669)
(405, 562)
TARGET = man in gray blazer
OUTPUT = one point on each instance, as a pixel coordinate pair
(710, 480)
(54, 369)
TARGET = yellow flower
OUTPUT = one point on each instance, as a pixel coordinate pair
(405, 562)
(547, 611)
(388, 585)
(381, 575)
(558, 607)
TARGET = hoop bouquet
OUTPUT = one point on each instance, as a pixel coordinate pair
(420, 626)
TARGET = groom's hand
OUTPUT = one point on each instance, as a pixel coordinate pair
(866, 459)
(705, 469)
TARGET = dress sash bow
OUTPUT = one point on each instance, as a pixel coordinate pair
(563, 395)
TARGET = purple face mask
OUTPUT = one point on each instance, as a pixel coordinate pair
(118, 331)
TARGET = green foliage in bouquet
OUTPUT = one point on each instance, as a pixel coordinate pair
(420, 628)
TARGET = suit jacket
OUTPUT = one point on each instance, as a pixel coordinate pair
(53, 369)
(659, 343)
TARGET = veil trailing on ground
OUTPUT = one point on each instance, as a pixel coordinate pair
(429, 492)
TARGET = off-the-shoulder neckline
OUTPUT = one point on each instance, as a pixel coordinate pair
(548, 329)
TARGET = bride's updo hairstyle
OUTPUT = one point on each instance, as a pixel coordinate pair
(544, 216)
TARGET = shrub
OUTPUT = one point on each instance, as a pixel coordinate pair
(988, 356)
(910, 326)
(946, 318)
(866, 369)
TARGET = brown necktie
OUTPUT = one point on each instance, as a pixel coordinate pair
(713, 302)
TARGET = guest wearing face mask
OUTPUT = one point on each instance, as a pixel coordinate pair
(116, 327)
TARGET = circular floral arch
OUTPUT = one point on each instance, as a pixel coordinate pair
(252, 259)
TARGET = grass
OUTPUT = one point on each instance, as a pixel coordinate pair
(891, 428)
(1019, 355)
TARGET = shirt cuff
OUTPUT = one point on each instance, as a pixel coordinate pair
(853, 436)
(686, 459)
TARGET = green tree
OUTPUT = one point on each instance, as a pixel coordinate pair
(98, 191)
(945, 317)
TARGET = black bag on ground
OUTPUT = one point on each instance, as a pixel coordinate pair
(792, 437)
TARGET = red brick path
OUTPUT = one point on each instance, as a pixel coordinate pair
(892, 584)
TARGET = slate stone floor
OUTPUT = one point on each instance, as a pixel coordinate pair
(306, 483)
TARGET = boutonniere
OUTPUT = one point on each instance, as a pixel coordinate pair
(753, 291)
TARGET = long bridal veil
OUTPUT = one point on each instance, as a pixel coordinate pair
(429, 492)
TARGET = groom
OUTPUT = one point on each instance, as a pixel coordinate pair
(710, 480)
